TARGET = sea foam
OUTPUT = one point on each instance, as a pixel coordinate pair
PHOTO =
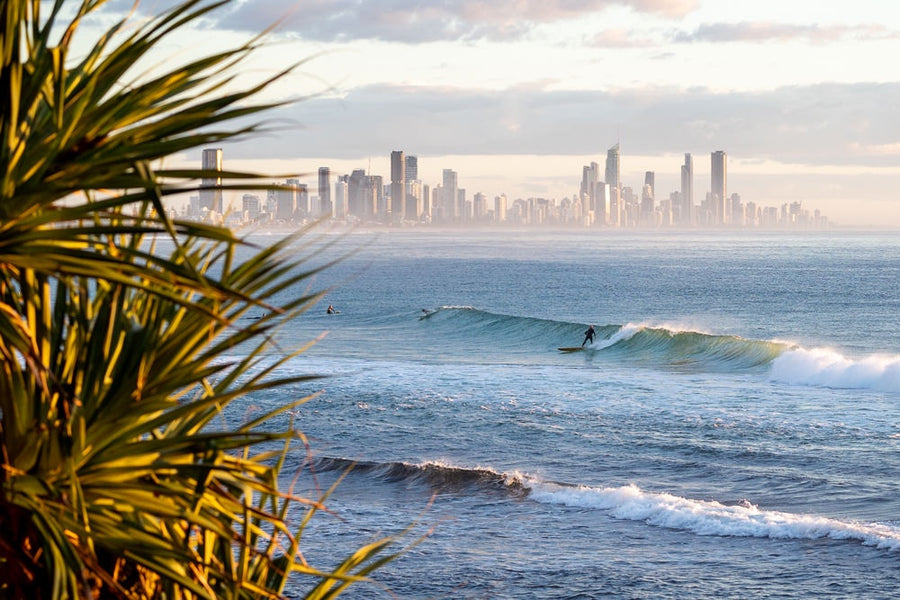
(826, 367)
(704, 517)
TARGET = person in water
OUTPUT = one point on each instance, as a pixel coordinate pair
(331, 310)
(588, 336)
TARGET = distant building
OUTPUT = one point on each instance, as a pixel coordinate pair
(648, 203)
(590, 175)
(449, 194)
(341, 195)
(303, 209)
(398, 186)
(601, 203)
(412, 168)
(250, 206)
(719, 186)
(686, 209)
(326, 205)
(356, 205)
(210, 185)
(500, 206)
(286, 200)
(613, 167)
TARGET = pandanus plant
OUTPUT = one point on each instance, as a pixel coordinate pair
(117, 351)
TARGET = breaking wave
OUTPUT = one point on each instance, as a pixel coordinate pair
(672, 347)
(629, 502)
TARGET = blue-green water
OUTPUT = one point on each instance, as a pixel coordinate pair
(733, 431)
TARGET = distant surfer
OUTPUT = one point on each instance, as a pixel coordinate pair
(588, 336)
(331, 310)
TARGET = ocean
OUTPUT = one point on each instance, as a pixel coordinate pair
(732, 432)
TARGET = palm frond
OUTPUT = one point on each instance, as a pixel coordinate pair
(118, 360)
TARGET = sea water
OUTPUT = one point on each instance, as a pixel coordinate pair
(732, 432)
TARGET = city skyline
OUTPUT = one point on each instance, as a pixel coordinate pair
(363, 197)
(511, 94)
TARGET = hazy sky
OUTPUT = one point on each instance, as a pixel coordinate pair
(517, 95)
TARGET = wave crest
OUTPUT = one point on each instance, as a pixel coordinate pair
(704, 517)
(440, 477)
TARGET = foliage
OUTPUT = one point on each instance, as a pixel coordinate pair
(116, 324)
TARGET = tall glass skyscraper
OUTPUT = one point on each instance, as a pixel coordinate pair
(325, 204)
(398, 185)
(449, 193)
(719, 185)
(615, 186)
(687, 190)
(412, 168)
(210, 186)
(612, 167)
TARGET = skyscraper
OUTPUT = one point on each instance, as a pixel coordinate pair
(615, 186)
(412, 168)
(589, 177)
(612, 168)
(327, 208)
(449, 193)
(210, 185)
(414, 201)
(650, 179)
(398, 185)
(719, 186)
(687, 190)
(356, 203)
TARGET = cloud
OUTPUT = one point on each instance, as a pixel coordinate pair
(621, 38)
(829, 124)
(764, 31)
(412, 21)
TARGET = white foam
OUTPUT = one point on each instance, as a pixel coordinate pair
(827, 367)
(625, 332)
(712, 518)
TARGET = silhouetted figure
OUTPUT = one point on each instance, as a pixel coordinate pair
(588, 336)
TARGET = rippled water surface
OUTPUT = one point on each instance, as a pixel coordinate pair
(732, 432)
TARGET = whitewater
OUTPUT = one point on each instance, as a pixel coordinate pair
(732, 432)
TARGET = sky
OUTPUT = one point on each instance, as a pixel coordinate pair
(517, 95)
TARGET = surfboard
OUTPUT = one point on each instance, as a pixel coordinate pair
(570, 349)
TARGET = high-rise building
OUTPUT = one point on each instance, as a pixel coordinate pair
(500, 205)
(601, 203)
(325, 202)
(719, 186)
(613, 167)
(250, 206)
(341, 197)
(356, 205)
(412, 168)
(449, 193)
(616, 209)
(650, 179)
(286, 200)
(589, 177)
(413, 209)
(210, 184)
(398, 185)
(687, 190)
(303, 207)
(648, 193)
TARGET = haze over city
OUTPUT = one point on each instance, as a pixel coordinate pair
(517, 96)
